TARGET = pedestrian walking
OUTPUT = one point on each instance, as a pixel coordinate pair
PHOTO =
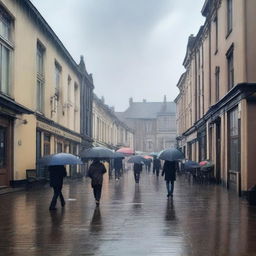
(118, 165)
(148, 164)
(137, 169)
(57, 173)
(95, 172)
(156, 166)
(169, 170)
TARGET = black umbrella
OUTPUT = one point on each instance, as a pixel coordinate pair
(97, 152)
(59, 159)
(137, 160)
(171, 154)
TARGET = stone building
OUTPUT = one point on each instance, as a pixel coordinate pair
(108, 130)
(216, 105)
(40, 90)
(154, 124)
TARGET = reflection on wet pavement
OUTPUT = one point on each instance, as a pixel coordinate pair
(131, 220)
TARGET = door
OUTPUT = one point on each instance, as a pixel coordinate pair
(5, 152)
(218, 151)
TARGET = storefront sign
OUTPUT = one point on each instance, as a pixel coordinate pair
(58, 131)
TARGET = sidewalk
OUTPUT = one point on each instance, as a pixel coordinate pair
(131, 220)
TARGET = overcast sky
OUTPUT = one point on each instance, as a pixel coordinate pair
(133, 48)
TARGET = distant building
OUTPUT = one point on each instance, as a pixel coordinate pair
(108, 130)
(154, 124)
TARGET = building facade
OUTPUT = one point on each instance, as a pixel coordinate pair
(216, 102)
(40, 93)
(154, 124)
(108, 130)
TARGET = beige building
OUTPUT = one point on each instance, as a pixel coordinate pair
(108, 130)
(153, 123)
(40, 87)
(216, 105)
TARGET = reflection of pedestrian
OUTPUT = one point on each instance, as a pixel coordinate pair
(95, 172)
(137, 168)
(156, 166)
(57, 173)
(118, 165)
(169, 170)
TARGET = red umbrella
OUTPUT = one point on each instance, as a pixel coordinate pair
(202, 163)
(126, 151)
(148, 157)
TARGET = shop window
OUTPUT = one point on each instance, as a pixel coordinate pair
(59, 147)
(202, 145)
(234, 140)
(47, 144)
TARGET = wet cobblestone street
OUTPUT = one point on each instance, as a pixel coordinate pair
(131, 220)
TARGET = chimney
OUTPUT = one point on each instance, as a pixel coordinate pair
(130, 101)
(82, 64)
(165, 99)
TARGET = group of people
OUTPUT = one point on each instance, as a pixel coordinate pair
(96, 172)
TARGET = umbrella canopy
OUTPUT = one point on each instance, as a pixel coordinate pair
(59, 159)
(202, 163)
(153, 154)
(126, 151)
(136, 160)
(206, 164)
(171, 154)
(191, 164)
(97, 152)
(119, 155)
(148, 157)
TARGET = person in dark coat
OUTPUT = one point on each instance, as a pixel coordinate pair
(118, 165)
(137, 169)
(56, 174)
(169, 170)
(95, 172)
(148, 164)
(156, 166)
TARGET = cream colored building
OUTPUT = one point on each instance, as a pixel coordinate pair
(216, 105)
(108, 130)
(39, 92)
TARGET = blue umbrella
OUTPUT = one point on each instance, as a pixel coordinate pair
(119, 155)
(171, 154)
(189, 164)
(59, 159)
(97, 152)
(137, 160)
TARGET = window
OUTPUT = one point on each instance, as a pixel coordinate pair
(217, 83)
(40, 77)
(216, 34)
(229, 16)
(230, 63)
(47, 143)
(69, 89)
(5, 51)
(2, 147)
(202, 145)
(57, 79)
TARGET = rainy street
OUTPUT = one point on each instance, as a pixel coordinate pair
(132, 219)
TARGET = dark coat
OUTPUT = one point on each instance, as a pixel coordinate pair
(169, 170)
(57, 173)
(137, 167)
(156, 163)
(118, 163)
(95, 172)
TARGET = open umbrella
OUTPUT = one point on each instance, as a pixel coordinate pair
(97, 152)
(119, 155)
(189, 164)
(171, 154)
(59, 159)
(154, 154)
(126, 151)
(137, 160)
(148, 157)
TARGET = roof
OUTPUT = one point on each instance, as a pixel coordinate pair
(148, 110)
